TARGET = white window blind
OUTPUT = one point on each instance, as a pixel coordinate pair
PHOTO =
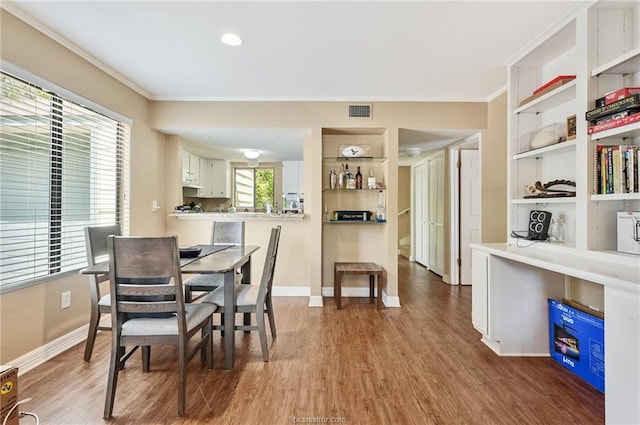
(62, 167)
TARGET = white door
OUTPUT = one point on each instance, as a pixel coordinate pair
(435, 198)
(420, 243)
(469, 209)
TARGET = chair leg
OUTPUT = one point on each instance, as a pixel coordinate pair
(262, 332)
(114, 368)
(146, 358)
(209, 328)
(272, 320)
(187, 294)
(93, 330)
(182, 376)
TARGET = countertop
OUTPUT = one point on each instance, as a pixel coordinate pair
(235, 216)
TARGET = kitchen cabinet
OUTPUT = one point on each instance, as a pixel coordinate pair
(190, 169)
(292, 177)
(220, 178)
(214, 178)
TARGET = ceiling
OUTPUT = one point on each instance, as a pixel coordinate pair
(300, 50)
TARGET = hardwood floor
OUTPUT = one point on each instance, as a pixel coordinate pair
(419, 364)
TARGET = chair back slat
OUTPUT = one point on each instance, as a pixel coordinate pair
(95, 238)
(147, 307)
(227, 233)
(269, 264)
(145, 276)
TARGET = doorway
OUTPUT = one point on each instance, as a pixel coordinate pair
(465, 207)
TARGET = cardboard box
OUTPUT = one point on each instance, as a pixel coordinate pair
(9, 394)
(576, 341)
(616, 95)
(629, 232)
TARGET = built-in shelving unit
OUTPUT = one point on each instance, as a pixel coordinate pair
(353, 241)
(599, 43)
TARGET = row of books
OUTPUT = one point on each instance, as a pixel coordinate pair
(616, 169)
(619, 108)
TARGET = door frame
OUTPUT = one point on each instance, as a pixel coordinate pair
(472, 142)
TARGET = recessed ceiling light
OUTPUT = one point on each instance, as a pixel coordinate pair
(231, 39)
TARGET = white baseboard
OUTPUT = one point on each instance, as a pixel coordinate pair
(391, 302)
(291, 291)
(316, 301)
(362, 292)
(51, 349)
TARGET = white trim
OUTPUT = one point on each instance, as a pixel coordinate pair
(315, 301)
(39, 26)
(391, 302)
(362, 292)
(40, 355)
(447, 279)
(497, 93)
(291, 291)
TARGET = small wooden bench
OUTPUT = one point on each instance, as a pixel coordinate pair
(372, 269)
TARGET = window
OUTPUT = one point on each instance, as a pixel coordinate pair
(62, 167)
(254, 187)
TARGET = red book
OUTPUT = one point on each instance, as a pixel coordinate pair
(563, 78)
(614, 123)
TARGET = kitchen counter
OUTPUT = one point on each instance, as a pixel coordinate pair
(227, 216)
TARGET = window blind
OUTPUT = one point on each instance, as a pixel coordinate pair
(62, 167)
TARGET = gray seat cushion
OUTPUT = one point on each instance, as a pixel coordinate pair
(212, 280)
(195, 314)
(245, 295)
(105, 301)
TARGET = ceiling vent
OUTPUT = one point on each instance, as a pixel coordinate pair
(359, 111)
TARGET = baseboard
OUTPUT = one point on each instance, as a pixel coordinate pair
(316, 301)
(291, 291)
(362, 292)
(446, 279)
(51, 349)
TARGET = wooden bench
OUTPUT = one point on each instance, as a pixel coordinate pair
(374, 271)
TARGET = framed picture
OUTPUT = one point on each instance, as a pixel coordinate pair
(571, 127)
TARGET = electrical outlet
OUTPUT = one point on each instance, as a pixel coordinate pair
(65, 300)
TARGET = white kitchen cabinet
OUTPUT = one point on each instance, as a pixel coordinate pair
(190, 169)
(214, 178)
(292, 177)
(220, 178)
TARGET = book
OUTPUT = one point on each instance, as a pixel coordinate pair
(630, 119)
(631, 102)
(614, 96)
(563, 79)
(616, 169)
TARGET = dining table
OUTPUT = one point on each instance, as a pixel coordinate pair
(213, 260)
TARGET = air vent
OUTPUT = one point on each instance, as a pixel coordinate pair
(359, 111)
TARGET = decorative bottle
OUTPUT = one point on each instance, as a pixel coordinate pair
(381, 215)
(351, 180)
(562, 237)
(553, 230)
(371, 181)
(333, 179)
(341, 177)
(358, 179)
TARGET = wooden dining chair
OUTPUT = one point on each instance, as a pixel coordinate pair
(254, 298)
(95, 238)
(222, 233)
(145, 313)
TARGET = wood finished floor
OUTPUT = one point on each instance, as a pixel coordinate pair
(419, 364)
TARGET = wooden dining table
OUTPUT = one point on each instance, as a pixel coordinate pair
(225, 261)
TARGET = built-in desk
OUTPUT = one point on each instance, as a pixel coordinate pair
(511, 286)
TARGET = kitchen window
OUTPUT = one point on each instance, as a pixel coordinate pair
(63, 166)
(254, 187)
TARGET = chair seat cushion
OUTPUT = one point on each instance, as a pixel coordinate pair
(245, 295)
(146, 326)
(105, 301)
(211, 280)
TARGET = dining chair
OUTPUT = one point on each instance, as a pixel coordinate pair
(222, 233)
(146, 314)
(95, 238)
(254, 298)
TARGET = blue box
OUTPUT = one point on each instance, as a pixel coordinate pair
(577, 342)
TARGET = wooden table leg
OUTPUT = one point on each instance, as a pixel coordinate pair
(382, 281)
(339, 290)
(229, 319)
(371, 286)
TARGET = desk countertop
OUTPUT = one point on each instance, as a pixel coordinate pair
(621, 271)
